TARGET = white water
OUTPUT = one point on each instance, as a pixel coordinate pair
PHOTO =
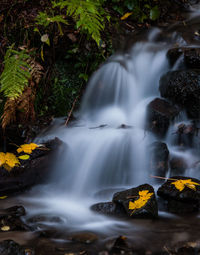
(108, 156)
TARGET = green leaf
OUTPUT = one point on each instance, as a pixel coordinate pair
(154, 13)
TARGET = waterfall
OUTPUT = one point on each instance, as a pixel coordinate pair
(107, 147)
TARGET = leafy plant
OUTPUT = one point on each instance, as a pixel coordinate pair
(16, 73)
(89, 16)
(140, 10)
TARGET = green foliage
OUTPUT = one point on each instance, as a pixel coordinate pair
(44, 19)
(66, 87)
(89, 16)
(16, 74)
(142, 9)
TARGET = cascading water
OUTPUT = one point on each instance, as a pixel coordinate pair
(108, 146)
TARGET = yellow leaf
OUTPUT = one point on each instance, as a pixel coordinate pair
(42, 54)
(24, 157)
(5, 228)
(126, 15)
(144, 196)
(27, 148)
(2, 158)
(4, 197)
(181, 184)
(8, 160)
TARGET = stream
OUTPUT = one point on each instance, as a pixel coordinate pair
(107, 150)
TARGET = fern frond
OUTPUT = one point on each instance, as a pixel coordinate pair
(44, 19)
(88, 15)
(16, 74)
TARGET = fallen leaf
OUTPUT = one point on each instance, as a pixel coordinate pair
(126, 15)
(181, 184)
(5, 228)
(8, 160)
(144, 196)
(24, 157)
(27, 148)
(3, 197)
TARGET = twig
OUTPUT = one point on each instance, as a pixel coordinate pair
(163, 178)
(71, 111)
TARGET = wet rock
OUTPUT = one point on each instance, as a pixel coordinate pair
(10, 219)
(183, 88)
(9, 247)
(147, 210)
(32, 171)
(178, 165)
(191, 56)
(120, 246)
(44, 218)
(185, 134)
(160, 113)
(106, 194)
(84, 237)
(109, 208)
(185, 4)
(159, 157)
(180, 201)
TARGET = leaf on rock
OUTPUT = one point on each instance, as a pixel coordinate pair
(8, 160)
(5, 228)
(144, 196)
(24, 157)
(181, 184)
(27, 148)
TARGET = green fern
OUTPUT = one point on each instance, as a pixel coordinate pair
(88, 14)
(15, 75)
(44, 19)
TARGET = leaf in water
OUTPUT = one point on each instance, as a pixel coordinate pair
(24, 157)
(4, 197)
(5, 228)
(181, 184)
(27, 148)
(144, 196)
(126, 15)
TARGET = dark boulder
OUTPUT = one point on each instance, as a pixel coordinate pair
(10, 219)
(160, 113)
(33, 171)
(149, 209)
(159, 157)
(191, 56)
(178, 165)
(9, 247)
(109, 208)
(183, 88)
(180, 201)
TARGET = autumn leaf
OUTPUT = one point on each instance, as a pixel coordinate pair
(24, 157)
(4, 197)
(126, 15)
(8, 160)
(27, 148)
(144, 196)
(181, 184)
(5, 228)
